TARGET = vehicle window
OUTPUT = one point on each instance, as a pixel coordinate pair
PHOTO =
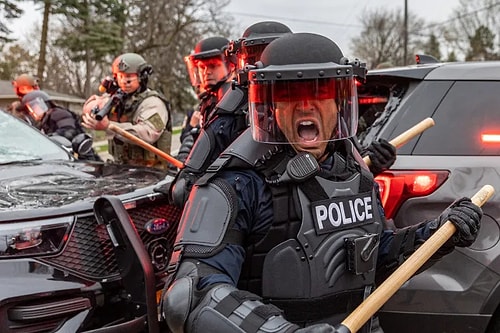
(376, 106)
(21, 142)
(469, 110)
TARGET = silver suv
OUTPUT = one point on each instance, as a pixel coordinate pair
(455, 158)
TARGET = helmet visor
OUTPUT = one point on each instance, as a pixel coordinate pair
(249, 55)
(37, 108)
(303, 111)
(192, 69)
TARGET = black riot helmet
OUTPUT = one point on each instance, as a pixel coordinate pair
(297, 75)
(207, 52)
(253, 41)
(36, 103)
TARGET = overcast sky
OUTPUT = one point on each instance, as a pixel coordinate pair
(336, 19)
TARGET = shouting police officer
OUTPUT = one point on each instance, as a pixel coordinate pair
(139, 110)
(294, 235)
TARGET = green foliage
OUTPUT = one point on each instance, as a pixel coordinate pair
(452, 57)
(432, 47)
(8, 10)
(481, 45)
(94, 29)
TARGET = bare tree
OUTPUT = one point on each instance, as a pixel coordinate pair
(470, 32)
(164, 31)
(380, 40)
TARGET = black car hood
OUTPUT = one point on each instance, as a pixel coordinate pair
(32, 185)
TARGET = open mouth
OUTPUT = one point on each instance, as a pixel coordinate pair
(308, 131)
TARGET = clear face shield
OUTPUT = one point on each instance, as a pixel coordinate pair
(192, 69)
(303, 112)
(37, 108)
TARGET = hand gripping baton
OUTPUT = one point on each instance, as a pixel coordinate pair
(407, 135)
(374, 302)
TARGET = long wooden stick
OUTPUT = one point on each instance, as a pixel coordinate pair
(146, 146)
(407, 135)
(389, 287)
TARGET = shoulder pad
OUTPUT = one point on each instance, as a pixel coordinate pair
(251, 152)
(231, 101)
(207, 214)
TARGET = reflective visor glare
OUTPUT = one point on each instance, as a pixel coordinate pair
(192, 71)
(23, 90)
(37, 108)
(249, 55)
(34, 238)
(285, 91)
(266, 97)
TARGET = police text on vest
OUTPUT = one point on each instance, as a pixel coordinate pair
(342, 212)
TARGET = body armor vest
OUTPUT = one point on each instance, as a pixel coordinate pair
(317, 261)
(124, 152)
(311, 262)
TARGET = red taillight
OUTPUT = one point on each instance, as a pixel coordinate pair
(372, 100)
(398, 186)
(494, 138)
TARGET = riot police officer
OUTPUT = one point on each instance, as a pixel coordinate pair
(229, 116)
(211, 73)
(294, 235)
(52, 119)
(143, 112)
(22, 85)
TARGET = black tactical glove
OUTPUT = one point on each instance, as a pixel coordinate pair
(466, 217)
(382, 155)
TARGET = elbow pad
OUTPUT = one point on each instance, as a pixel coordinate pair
(227, 309)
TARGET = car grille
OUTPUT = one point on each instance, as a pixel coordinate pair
(89, 252)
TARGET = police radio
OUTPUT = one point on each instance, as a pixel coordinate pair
(300, 168)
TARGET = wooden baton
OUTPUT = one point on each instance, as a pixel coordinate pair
(146, 146)
(374, 302)
(407, 135)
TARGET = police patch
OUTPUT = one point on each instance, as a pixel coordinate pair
(156, 121)
(342, 212)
